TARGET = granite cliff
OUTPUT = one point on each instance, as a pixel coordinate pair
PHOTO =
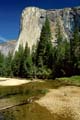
(33, 19)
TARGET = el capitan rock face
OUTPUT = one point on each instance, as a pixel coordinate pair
(33, 19)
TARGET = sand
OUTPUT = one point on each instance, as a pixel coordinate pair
(12, 81)
(64, 100)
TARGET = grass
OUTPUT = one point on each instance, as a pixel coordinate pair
(74, 80)
(30, 89)
(33, 111)
(38, 88)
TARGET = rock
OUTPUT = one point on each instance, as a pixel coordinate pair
(31, 23)
(7, 47)
(33, 19)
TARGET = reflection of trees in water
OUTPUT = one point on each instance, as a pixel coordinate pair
(1, 117)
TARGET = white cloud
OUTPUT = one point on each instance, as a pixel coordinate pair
(2, 39)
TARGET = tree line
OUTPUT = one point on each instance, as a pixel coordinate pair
(46, 60)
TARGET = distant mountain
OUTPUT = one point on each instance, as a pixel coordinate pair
(8, 46)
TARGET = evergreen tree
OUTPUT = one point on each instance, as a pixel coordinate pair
(58, 33)
(34, 54)
(76, 50)
(17, 62)
(75, 42)
(44, 46)
(61, 54)
(44, 50)
(2, 65)
(27, 63)
(8, 70)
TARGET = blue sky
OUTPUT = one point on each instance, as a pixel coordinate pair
(10, 13)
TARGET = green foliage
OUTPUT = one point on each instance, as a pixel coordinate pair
(73, 80)
(33, 54)
(8, 61)
(45, 60)
(59, 33)
(2, 65)
(22, 63)
(43, 72)
(44, 52)
(44, 46)
(75, 51)
(26, 70)
(17, 62)
(61, 55)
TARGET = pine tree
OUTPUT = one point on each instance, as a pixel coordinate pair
(2, 66)
(44, 46)
(27, 63)
(58, 33)
(8, 70)
(75, 42)
(76, 50)
(17, 62)
(44, 51)
(61, 54)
